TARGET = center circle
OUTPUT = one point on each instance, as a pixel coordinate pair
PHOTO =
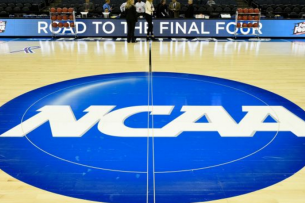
(188, 151)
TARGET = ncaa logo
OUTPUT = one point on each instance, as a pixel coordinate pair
(91, 138)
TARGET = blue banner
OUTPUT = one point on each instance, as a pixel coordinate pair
(162, 28)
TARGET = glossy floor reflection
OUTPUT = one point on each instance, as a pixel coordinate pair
(273, 66)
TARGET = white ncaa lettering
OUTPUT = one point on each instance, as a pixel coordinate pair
(64, 124)
(62, 121)
(113, 123)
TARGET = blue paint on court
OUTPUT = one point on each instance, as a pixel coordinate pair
(193, 167)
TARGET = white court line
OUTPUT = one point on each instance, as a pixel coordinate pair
(285, 40)
(148, 113)
(4, 42)
(150, 91)
(153, 138)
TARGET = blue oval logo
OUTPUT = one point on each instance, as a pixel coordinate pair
(133, 137)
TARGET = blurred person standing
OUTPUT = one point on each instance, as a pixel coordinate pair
(149, 11)
(131, 18)
(122, 9)
(140, 7)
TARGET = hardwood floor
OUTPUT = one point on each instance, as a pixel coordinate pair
(275, 66)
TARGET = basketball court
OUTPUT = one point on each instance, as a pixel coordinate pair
(160, 168)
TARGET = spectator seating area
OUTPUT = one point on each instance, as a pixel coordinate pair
(12, 7)
(201, 7)
(221, 6)
(269, 8)
(285, 8)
